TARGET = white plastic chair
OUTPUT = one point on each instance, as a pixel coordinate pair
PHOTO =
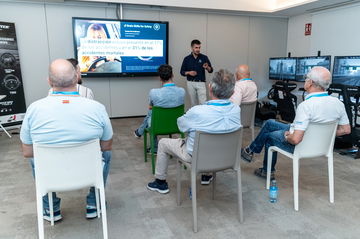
(247, 113)
(213, 153)
(318, 141)
(65, 168)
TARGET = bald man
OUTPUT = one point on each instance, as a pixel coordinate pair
(318, 107)
(245, 88)
(64, 117)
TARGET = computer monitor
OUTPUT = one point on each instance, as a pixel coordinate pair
(346, 70)
(282, 68)
(305, 64)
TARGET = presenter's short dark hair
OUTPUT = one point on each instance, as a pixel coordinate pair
(73, 61)
(195, 42)
(165, 72)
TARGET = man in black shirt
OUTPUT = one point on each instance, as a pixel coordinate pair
(193, 67)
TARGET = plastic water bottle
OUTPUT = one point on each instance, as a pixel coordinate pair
(273, 192)
(190, 194)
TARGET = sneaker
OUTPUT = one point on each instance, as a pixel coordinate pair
(261, 172)
(91, 212)
(136, 134)
(206, 179)
(159, 187)
(247, 157)
(148, 150)
(57, 215)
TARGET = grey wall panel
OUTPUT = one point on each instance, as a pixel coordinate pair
(227, 40)
(183, 28)
(267, 38)
(32, 41)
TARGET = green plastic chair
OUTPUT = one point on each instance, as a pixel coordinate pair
(163, 122)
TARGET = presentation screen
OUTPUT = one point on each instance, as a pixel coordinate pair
(282, 68)
(107, 47)
(305, 64)
(346, 70)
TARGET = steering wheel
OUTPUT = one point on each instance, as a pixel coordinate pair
(103, 58)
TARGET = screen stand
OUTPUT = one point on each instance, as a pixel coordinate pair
(5, 130)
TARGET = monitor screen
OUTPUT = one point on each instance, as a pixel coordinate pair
(106, 47)
(305, 64)
(346, 70)
(282, 68)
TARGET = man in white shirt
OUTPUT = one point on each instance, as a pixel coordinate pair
(83, 90)
(245, 87)
(318, 107)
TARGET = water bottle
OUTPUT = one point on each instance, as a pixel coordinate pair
(273, 192)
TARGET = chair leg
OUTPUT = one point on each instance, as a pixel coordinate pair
(97, 201)
(51, 206)
(296, 183)
(145, 146)
(331, 177)
(268, 170)
(103, 211)
(194, 207)
(240, 201)
(213, 185)
(39, 204)
(178, 182)
(152, 141)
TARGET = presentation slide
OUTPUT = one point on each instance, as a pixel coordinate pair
(346, 70)
(120, 47)
(305, 64)
(282, 68)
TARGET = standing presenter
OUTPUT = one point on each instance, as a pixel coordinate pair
(193, 67)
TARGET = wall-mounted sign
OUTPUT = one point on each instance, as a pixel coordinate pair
(308, 29)
(12, 100)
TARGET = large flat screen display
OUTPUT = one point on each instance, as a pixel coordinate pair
(305, 64)
(346, 70)
(282, 68)
(106, 47)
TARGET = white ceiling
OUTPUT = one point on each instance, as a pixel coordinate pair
(263, 7)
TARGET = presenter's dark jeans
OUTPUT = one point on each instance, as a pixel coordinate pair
(271, 134)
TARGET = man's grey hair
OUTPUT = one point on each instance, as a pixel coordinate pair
(320, 76)
(223, 84)
(62, 74)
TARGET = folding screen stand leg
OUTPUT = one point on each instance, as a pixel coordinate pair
(5, 131)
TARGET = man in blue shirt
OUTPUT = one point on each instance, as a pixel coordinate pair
(218, 115)
(193, 67)
(168, 96)
(64, 117)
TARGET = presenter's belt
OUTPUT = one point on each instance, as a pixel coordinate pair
(195, 80)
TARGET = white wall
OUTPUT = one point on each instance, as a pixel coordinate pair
(44, 33)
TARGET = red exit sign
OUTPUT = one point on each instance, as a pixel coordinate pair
(308, 29)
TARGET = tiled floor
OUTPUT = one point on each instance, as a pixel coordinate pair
(135, 212)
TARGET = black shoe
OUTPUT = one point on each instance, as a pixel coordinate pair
(261, 172)
(136, 134)
(247, 157)
(159, 187)
(148, 150)
(206, 179)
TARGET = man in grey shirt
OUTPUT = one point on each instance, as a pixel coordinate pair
(168, 96)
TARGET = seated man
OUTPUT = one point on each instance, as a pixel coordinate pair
(66, 118)
(318, 107)
(168, 96)
(245, 87)
(218, 115)
(83, 90)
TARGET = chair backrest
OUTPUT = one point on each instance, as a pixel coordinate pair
(318, 140)
(164, 120)
(67, 167)
(215, 152)
(247, 114)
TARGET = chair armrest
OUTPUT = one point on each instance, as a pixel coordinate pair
(277, 149)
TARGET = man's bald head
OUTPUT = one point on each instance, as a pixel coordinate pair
(242, 72)
(62, 74)
(320, 76)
